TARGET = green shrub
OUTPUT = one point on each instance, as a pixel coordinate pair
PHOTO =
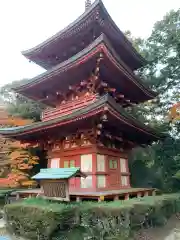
(41, 219)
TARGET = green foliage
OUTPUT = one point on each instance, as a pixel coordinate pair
(163, 71)
(40, 219)
(19, 105)
(159, 164)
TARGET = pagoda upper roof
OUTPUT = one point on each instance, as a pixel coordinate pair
(79, 67)
(79, 34)
(118, 117)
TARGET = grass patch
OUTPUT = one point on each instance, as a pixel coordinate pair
(41, 219)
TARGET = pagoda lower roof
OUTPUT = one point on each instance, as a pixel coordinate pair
(112, 70)
(118, 117)
(74, 33)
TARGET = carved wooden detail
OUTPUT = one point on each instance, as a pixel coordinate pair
(79, 139)
(79, 95)
(93, 85)
(98, 135)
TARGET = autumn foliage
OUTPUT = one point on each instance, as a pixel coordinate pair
(22, 161)
(15, 155)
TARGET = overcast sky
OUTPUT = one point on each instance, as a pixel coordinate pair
(25, 23)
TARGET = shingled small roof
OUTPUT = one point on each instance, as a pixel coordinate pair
(58, 173)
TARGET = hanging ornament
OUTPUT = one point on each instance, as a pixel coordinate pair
(98, 132)
(87, 4)
(104, 118)
(99, 126)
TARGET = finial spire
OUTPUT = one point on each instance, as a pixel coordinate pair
(87, 4)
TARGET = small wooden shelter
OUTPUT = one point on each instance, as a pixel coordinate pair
(55, 181)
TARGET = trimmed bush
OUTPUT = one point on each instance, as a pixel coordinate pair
(40, 219)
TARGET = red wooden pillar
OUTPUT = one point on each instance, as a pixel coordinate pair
(49, 163)
(106, 158)
(94, 170)
(61, 165)
(78, 164)
(127, 169)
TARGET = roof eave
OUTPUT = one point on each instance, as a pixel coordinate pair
(32, 51)
(102, 39)
(140, 58)
(13, 132)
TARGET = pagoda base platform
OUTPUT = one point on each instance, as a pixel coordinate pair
(112, 195)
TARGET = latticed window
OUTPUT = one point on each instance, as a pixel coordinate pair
(100, 163)
(69, 163)
(124, 181)
(55, 163)
(101, 181)
(66, 164)
(86, 182)
(113, 164)
(123, 165)
(72, 163)
(86, 163)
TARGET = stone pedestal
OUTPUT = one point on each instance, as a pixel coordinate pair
(126, 196)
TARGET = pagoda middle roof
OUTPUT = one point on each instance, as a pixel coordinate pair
(119, 117)
(79, 67)
(95, 17)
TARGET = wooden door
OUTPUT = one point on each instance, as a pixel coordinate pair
(114, 176)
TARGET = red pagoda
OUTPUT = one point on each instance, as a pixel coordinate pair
(88, 84)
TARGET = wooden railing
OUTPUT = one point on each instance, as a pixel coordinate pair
(67, 108)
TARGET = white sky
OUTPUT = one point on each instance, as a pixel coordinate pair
(25, 23)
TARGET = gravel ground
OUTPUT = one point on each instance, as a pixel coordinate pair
(171, 231)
